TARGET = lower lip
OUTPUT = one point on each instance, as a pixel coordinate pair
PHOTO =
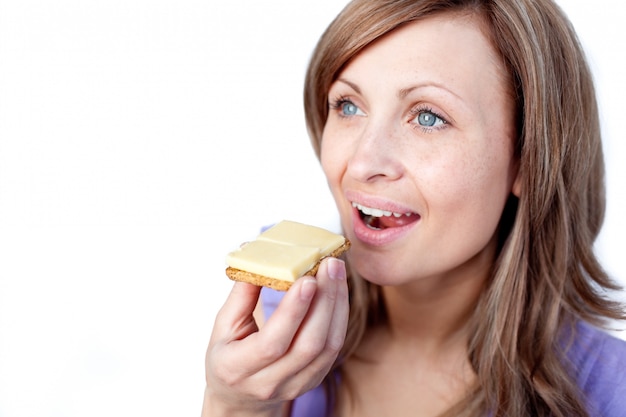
(378, 237)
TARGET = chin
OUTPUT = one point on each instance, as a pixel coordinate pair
(373, 269)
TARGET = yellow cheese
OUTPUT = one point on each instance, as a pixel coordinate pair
(272, 259)
(294, 233)
(285, 251)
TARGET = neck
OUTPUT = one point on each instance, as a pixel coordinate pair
(433, 314)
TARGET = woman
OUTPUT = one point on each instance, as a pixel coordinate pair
(461, 142)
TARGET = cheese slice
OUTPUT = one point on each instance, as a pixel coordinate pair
(285, 251)
(272, 259)
(294, 233)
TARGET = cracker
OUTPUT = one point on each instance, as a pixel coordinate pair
(279, 284)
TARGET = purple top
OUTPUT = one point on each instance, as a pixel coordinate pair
(599, 361)
(312, 403)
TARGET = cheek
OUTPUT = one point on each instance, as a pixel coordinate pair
(448, 187)
(333, 165)
(325, 159)
(470, 185)
(331, 161)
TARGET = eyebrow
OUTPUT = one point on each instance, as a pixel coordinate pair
(403, 92)
(350, 84)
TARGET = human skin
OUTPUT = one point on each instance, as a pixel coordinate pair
(421, 124)
(254, 370)
(456, 175)
(452, 174)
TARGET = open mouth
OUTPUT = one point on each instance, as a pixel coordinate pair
(377, 219)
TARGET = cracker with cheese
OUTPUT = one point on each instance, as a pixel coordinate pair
(284, 253)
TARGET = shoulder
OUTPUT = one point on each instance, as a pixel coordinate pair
(599, 364)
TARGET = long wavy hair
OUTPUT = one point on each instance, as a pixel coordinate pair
(546, 275)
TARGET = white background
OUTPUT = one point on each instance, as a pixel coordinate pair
(141, 140)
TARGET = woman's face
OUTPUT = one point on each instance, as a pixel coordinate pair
(418, 151)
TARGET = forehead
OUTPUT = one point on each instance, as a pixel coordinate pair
(452, 49)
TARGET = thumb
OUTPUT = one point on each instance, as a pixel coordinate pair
(235, 319)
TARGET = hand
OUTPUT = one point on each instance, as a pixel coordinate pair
(252, 372)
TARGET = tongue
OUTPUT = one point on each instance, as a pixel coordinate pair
(393, 221)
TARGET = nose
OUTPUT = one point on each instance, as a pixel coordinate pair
(376, 154)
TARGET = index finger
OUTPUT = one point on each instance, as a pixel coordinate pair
(237, 310)
(266, 346)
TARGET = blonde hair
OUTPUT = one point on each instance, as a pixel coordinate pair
(546, 275)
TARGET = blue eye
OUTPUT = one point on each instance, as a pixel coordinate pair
(349, 109)
(346, 108)
(427, 118)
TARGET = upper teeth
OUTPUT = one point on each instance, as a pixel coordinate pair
(377, 212)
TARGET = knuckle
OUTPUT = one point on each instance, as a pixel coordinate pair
(271, 352)
(267, 393)
(225, 376)
(296, 391)
(311, 349)
(334, 345)
(331, 294)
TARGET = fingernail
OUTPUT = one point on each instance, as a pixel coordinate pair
(308, 288)
(336, 269)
